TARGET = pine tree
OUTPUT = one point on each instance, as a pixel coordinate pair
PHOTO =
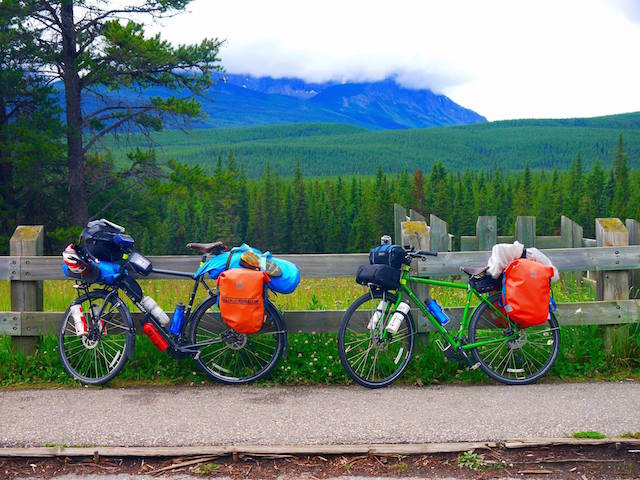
(621, 173)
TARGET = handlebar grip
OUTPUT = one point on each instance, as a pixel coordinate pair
(424, 252)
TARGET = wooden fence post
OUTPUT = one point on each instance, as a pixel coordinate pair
(26, 296)
(633, 227)
(416, 234)
(612, 285)
(399, 216)
(571, 234)
(486, 232)
(439, 234)
(525, 231)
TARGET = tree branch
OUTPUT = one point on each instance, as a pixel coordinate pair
(112, 127)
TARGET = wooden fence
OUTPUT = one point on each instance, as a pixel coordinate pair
(613, 255)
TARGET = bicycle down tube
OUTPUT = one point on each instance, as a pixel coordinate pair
(455, 342)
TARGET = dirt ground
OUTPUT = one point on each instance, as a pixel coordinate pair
(582, 463)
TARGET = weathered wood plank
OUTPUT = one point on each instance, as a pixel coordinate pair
(417, 234)
(612, 312)
(258, 450)
(311, 265)
(505, 239)
(612, 285)
(345, 265)
(26, 293)
(468, 243)
(399, 216)
(570, 232)
(486, 232)
(416, 216)
(548, 241)
(525, 230)
(633, 227)
(439, 234)
(10, 323)
(611, 232)
(9, 268)
(565, 259)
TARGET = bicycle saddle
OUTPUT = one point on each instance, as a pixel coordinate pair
(207, 247)
(473, 271)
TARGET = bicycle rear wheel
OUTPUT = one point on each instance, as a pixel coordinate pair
(232, 357)
(513, 361)
(99, 355)
(374, 358)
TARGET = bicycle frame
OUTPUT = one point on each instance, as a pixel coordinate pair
(177, 346)
(457, 341)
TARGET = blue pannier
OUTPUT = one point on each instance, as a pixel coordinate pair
(286, 283)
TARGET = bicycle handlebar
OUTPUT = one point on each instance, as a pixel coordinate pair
(422, 254)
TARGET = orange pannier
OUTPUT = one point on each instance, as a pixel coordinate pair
(526, 292)
(241, 299)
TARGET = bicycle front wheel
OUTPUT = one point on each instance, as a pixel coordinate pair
(231, 357)
(100, 354)
(513, 361)
(374, 357)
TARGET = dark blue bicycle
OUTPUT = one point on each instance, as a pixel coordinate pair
(97, 334)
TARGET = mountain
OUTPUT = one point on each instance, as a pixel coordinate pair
(334, 149)
(241, 100)
(393, 107)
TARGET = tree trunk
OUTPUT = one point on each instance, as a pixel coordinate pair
(6, 172)
(78, 197)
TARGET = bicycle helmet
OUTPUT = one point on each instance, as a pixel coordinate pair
(73, 261)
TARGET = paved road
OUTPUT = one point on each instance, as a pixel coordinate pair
(219, 415)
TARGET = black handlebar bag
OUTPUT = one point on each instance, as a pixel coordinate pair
(391, 255)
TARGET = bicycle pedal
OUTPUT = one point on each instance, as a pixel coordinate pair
(441, 345)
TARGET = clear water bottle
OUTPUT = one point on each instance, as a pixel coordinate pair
(152, 308)
(398, 317)
(178, 318)
(436, 311)
(377, 315)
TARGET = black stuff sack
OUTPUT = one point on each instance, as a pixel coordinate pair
(384, 276)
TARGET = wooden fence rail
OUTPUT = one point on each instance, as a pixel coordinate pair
(26, 270)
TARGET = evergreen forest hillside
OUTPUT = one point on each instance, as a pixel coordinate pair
(334, 149)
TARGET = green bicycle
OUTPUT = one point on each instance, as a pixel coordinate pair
(375, 355)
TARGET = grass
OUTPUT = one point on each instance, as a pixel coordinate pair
(590, 434)
(313, 358)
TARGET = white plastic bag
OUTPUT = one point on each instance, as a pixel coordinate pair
(502, 254)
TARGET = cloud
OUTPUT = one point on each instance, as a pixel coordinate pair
(502, 58)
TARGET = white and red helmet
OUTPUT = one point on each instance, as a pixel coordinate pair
(72, 260)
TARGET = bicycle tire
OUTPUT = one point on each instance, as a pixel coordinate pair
(274, 327)
(354, 331)
(110, 351)
(510, 362)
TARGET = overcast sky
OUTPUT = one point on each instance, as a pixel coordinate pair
(502, 58)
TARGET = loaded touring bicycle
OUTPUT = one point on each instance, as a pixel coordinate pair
(377, 333)
(97, 335)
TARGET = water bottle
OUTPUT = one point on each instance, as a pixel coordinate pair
(152, 308)
(178, 318)
(398, 317)
(436, 311)
(79, 322)
(375, 318)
